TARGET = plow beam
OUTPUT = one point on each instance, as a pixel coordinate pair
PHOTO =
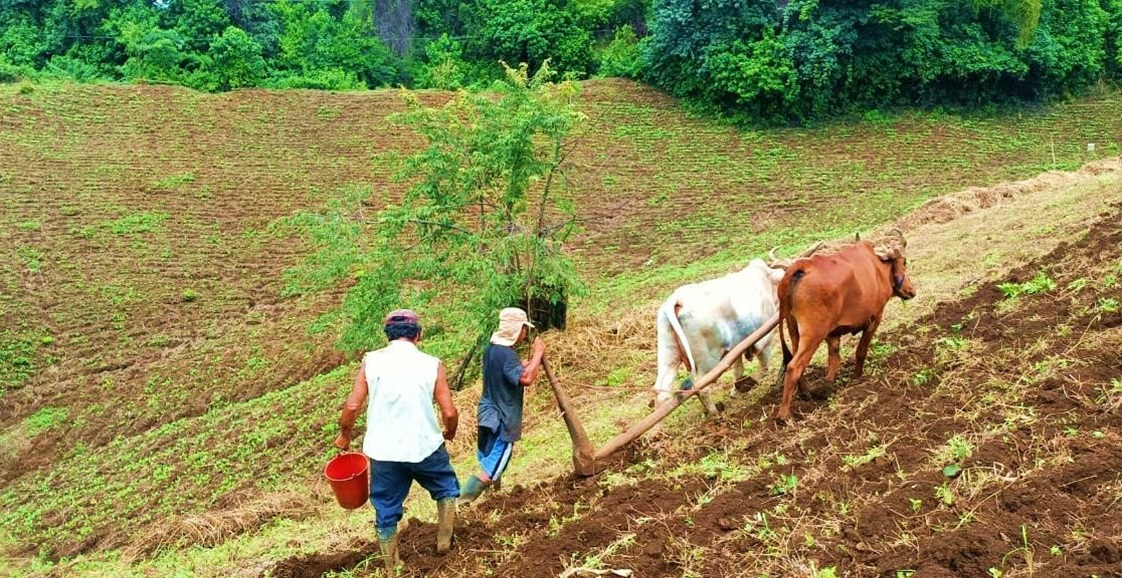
(587, 462)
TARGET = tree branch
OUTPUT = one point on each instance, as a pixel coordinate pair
(441, 225)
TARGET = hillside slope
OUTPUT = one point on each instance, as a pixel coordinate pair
(151, 369)
(985, 440)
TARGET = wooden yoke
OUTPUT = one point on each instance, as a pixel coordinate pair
(587, 463)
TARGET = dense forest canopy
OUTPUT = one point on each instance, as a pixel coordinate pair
(772, 59)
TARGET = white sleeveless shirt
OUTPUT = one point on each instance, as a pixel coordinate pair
(401, 422)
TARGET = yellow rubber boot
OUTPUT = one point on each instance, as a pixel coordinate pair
(446, 521)
(390, 557)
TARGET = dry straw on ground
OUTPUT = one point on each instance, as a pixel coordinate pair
(214, 527)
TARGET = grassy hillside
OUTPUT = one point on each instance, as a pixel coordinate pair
(150, 370)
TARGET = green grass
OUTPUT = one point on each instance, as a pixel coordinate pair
(137, 223)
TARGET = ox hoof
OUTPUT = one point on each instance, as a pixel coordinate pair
(745, 384)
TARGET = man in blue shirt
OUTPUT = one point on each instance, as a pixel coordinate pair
(505, 377)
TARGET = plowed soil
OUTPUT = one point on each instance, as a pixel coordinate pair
(1028, 390)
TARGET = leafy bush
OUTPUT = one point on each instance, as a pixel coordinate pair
(445, 68)
(623, 56)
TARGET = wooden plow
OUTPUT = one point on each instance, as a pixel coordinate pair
(587, 461)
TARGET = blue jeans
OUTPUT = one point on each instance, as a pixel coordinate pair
(390, 483)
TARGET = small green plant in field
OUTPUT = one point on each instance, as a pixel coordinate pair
(1025, 549)
(853, 462)
(923, 376)
(137, 223)
(953, 343)
(1108, 305)
(1038, 284)
(28, 226)
(904, 573)
(828, 572)
(717, 465)
(944, 493)
(658, 199)
(174, 181)
(687, 556)
(1078, 284)
(759, 528)
(617, 377)
(1110, 281)
(994, 572)
(17, 359)
(785, 484)
(31, 258)
(45, 419)
(190, 295)
(327, 112)
(956, 452)
(1055, 550)
(616, 479)
(960, 447)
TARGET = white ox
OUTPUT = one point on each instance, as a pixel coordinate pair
(699, 323)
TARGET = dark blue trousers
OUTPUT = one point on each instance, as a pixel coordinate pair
(390, 483)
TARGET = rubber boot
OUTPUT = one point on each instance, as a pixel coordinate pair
(446, 521)
(390, 556)
(471, 489)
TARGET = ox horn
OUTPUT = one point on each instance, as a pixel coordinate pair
(900, 234)
(810, 250)
(775, 263)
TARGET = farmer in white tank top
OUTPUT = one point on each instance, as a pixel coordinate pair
(403, 440)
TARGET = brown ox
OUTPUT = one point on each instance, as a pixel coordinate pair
(824, 297)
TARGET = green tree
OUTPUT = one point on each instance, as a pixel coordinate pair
(529, 31)
(236, 60)
(622, 56)
(317, 49)
(480, 227)
(445, 67)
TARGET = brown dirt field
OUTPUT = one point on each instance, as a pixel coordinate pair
(1039, 492)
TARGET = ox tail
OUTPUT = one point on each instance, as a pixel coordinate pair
(786, 293)
(670, 312)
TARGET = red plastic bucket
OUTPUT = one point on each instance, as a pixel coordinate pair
(349, 475)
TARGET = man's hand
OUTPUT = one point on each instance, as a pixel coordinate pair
(449, 435)
(531, 366)
(343, 442)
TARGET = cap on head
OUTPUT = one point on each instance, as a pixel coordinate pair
(402, 317)
(511, 322)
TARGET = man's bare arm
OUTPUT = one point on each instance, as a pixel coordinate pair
(531, 368)
(443, 396)
(351, 407)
